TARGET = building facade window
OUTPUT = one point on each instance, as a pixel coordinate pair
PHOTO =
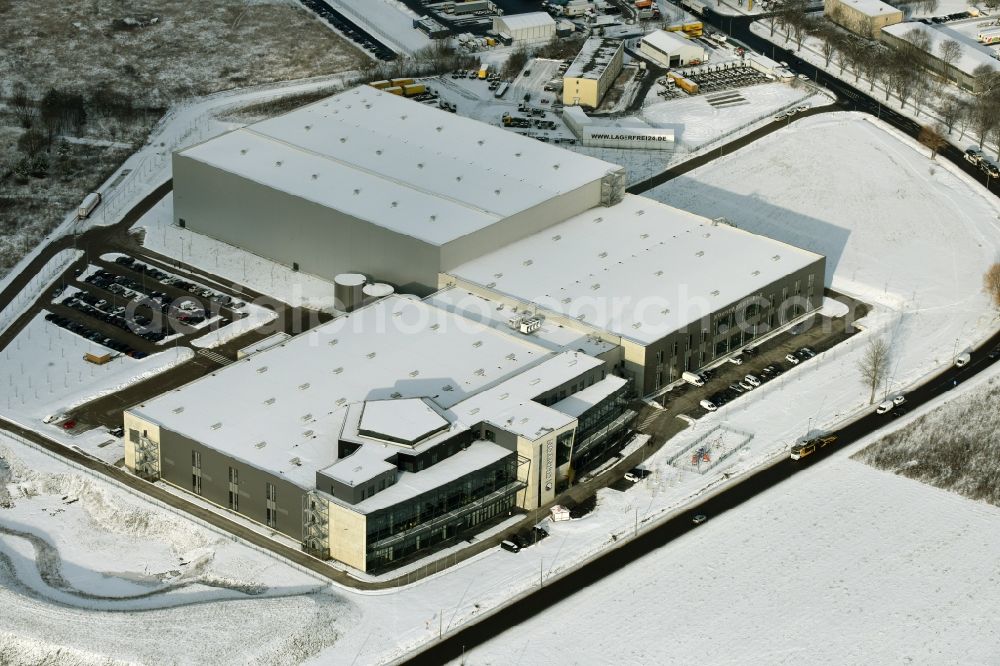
(271, 505)
(234, 489)
(196, 472)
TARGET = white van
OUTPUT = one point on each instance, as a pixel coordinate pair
(962, 359)
(692, 378)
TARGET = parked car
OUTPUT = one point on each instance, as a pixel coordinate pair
(629, 476)
(69, 425)
(752, 380)
(793, 359)
(807, 352)
(963, 359)
(884, 407)
(510, 546)
(699, 519)
(709, 405)
(899, 400)
(736, 360)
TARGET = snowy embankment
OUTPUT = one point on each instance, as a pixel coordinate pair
(76, 549)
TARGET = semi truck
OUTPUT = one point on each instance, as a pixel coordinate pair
(484, 70)
(88, 205)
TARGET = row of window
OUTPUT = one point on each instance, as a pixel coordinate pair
(270, 492)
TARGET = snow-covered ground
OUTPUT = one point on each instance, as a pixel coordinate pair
(41, 282)
(910, 235)
(230, 262)
(840, 564)
(43, 373)
(76, 550)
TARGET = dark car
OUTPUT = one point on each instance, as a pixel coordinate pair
(510, 546)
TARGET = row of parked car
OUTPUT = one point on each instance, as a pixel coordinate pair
(985, 164)
(93, 336)
(178, 283)
(101, 309)
(752, 381)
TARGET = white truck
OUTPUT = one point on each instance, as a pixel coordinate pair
(88, 205)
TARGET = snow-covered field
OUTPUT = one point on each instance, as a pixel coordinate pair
(76, 550)
(840, 564)
(909, 235)
(230, 262)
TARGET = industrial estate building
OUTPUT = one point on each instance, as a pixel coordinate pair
(551, 299)
(370, 182)
(862, 17)
(671, 49)
(592, 72)
(524, 28)
(962, 70)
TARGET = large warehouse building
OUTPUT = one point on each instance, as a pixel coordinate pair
(372, 183)
(675, 290)
(551, 298)
(524, 28)
(386, 431)
(671, 49)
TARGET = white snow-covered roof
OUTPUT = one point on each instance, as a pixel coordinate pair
(639, 269)
(403, 421)
(261, 345)
(973, 54)
(408, 485)
(550, 335)
(593, 59)
(669, 42)
(283, 408)
(531, 420)
(871, 7)
(578, 403)
(399, 164)
(527, 21)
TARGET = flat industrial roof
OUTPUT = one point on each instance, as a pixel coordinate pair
(527, 20)
(639, 269)
(284, 407)
(871, 7)
(973, 53)
(593, 59)
(577, 404)
(399, 164)
(668, 41)
(551, 335)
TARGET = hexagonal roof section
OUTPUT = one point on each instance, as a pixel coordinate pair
(406, 421)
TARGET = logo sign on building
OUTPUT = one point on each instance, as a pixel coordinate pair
(656, 138)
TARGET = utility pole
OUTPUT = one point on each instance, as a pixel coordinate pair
(440, 623)
(541, 583)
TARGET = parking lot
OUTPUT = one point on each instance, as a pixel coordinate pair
(347, 28)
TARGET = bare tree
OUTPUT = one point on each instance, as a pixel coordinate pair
(932, 138)
(874, 365)
(991, 281)
(950, 108)
(829, 48)
(22, 105)
(949, 51)
(983, 117)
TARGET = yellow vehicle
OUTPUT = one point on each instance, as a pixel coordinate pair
(803, 449)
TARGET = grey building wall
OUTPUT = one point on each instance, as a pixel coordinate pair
(176, 469)
(290, 229)
(698, 344)
(356, 493)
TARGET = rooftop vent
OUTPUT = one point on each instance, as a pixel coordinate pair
(394, 204)
(658, 273)
(756, 273)
(439, 128)
(433, 218)
(447, 387)
(458, 178)
(511, 357)
(477, 343)
(636, 325)
(665, 311)
(396, 395)
(491, 285)
(303, 387)
(555, 166)
(699, 253)
(262, 369)
(343, 139)
(315, 176)
(278, 163)
(567, 300)
(338, 370)
(598, 220)
(216, 426)
(371, 354)
(474, 410)
(307, 417)
(595, 286)
(260, 445)
(535, 380)
(420, 165)
(557, 237)
(640, 212)
(496, 192)
(480, 142)
(581, 317)
(715, 292)
(776, 257)
(341, 401)
(498, 275)
(308, 127)
(378, 151)
(269, 401)
(178, 410)
(332, 342)
(603, 255)
(243, 151)
(414, 373)
(527, 262)
(296, 460)
(481, 372)
(435, 327)
(504, 396)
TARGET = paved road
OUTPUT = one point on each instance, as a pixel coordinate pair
(455, 645)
